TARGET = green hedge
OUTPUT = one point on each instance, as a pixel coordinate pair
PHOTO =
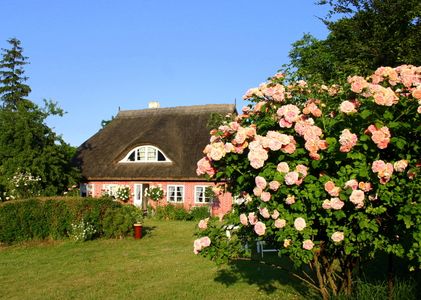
(178, 212)
(37, 219)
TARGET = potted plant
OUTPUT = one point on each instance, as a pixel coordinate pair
(155, 193)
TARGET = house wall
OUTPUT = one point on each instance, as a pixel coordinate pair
(218, 208)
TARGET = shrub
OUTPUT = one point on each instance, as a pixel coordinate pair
(199, 212)
(43, 218)
(119, 222)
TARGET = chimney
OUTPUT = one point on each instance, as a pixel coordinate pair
(153, 104)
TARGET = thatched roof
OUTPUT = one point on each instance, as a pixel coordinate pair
(180, 132)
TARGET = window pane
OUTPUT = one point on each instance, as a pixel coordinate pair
(132, 156)
(141, 154)
(151, 153)
(199, 194)
(161, 156)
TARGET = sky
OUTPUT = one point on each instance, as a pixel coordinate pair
(96, 56)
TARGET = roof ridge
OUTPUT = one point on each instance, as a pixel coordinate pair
(177, 109)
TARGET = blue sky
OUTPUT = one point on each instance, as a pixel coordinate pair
(93, 57)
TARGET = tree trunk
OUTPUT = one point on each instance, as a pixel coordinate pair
(390, 277)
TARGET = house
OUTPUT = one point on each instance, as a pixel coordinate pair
(154, 146)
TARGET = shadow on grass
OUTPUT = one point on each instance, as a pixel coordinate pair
(267, 274)
(147, 231)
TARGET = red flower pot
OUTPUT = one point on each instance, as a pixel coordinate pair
(137, 231)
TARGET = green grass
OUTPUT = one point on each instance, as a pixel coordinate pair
(159, 266)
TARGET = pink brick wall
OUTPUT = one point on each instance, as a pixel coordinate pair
(218, 208)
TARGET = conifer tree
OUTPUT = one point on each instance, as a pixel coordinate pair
(13, 89)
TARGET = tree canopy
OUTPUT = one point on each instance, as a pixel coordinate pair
(32, 155)
(366, 35)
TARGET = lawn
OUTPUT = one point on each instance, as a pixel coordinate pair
(159, 266)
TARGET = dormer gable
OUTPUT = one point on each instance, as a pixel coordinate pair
(145, 154)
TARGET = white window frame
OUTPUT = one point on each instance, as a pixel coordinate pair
(148, 149)
(183, 191)
(196, 200)
(111, 189)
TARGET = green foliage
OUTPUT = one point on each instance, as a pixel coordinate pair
(37, 219)
(366, 35)
(13, 89)
(179, 213)
(27, 144)
(119, 222)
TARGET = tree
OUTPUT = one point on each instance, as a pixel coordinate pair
(12, 88)
(31, 153)
(368, 34)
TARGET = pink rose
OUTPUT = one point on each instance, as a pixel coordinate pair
(400, 165)
(282, 167)
(275, 214)
(264, 213)
(308, 244)
(243, 219)
(299, 224)
(280, 223)
(290, 200)
(301, 169)
(347, 107)
(203, 224)
(337, 237)
(205, 241)
(378, 165)
(260, 228)
(260, 182)
(326, 204)
(257, 191)
(291, 178)
(265, 196)
(357, 197)
(274, 185)
(332, 189)
(347, 140)
(353, 184)
(252, 218)
(336, 203)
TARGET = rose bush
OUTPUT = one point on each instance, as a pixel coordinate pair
(328, 173)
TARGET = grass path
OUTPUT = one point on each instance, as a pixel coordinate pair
(159, 266)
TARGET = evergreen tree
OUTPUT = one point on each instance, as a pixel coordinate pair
(29, 149)
(13, 89)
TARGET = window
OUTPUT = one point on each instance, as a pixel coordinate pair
(175, 193)
(203, 194)
(145, 154)
(109, 190)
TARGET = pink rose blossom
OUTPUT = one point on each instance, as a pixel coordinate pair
(264, 213)
(280, 223)
(204, 167)
(301, 169)
(357, 197)
(265, 196)
(289, 112)
(252, 218)
(201, 243)
(332, 189)
(326, 204)
(337, 236)
(365, 186)
(336, 203)
(347, 107)
(291, 178)
(290, 200)
(203, 224)
(358, 83)
(257, 191)
(353, 184)
(308, 244)
(400, 165)
(243, 219)
(260, 228)
(275, 214)
(274, 185)
(378, 165)
(299, 223)
(260, 182)
(347, 140)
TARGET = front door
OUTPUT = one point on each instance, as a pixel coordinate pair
(138, 195)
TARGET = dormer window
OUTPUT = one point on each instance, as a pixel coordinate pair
(145, 154)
